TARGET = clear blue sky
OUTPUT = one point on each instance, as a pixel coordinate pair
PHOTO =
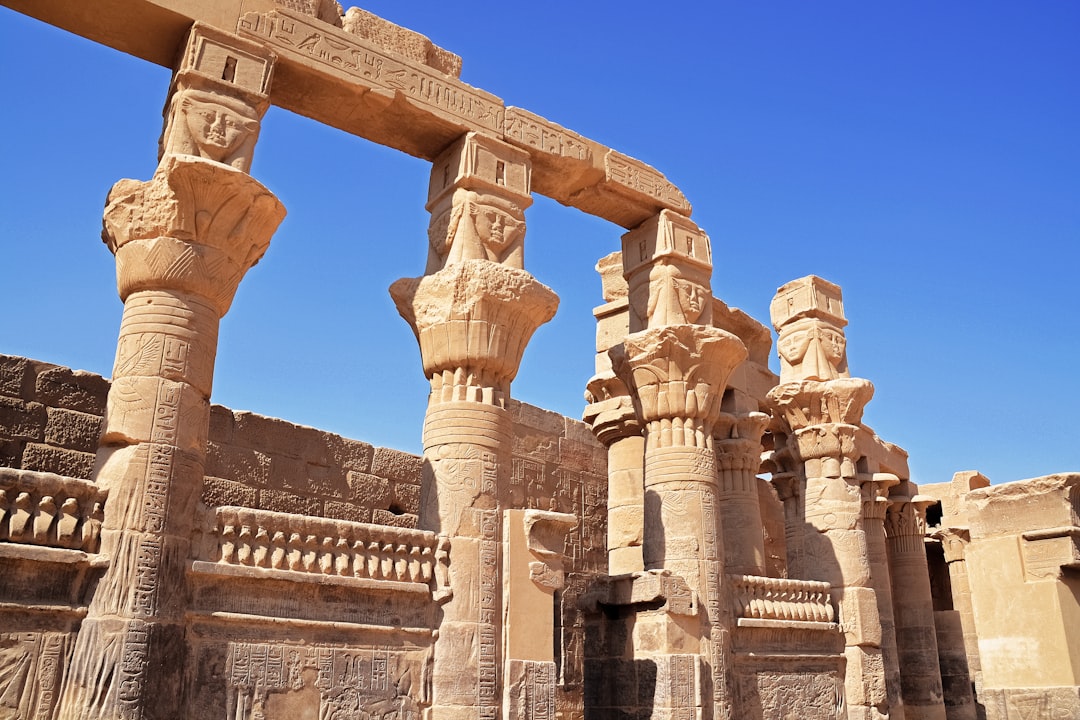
(923, 155)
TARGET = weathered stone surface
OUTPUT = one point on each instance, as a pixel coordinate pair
(396, 466)
(45, 458)
(72, 390)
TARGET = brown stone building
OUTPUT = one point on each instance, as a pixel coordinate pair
(713, 541)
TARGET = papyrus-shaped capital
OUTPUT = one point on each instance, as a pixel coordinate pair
(473, 320)
(808, 403)
(678, 374)
(197, 226)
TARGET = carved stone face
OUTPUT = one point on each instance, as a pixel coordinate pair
(496, 228)
(476, 227)
(691, 299)
(674, 299)
(216, 130)
(814, 350)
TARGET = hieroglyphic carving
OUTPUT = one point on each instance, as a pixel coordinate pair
(628, 175)
(524, 128)
(340, 53)
(490, 598)
(775, 693)
(351, 683)
(532, 690)
(31, 665)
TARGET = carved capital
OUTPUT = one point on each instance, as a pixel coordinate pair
(906, 517)
(954, 542)
(808, 314)
(610, 412)
(875, 494)
(197, 226)
(678, 374)
(738, 440)
(473, 320)
(479, 190)
(808, 403)
(828, 450)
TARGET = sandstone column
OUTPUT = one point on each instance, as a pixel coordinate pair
(614, 421)
(611, 415)
(823, 407)
(677, 368)
(738, 455)
(875, 502)
(473, 314)
(916, 635)
(182, 241)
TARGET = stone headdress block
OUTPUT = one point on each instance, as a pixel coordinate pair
(808, 297)
(226, 60)
(670, 236)
(483, 164)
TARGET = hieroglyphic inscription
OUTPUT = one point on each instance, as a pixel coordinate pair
(352, 683)
(133, 665)
(147, 583)
(489, 473)
(346, 54)
(524, 128)
(31, 665)
(640, 178)
(769, 693)
(676, 686)
(490, 584)
(536, 692)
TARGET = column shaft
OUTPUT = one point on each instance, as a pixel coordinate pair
(916, 633)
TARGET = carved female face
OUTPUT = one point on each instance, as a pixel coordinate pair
(496, 228)
(691, 299)
(813, 349)
(216, 130)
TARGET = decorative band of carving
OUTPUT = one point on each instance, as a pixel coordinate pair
(765, 598)
(40, 508)
(472, 423)
(282, 541)
(687, 466)
(168, 336)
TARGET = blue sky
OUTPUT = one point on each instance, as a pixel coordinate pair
(923, 155)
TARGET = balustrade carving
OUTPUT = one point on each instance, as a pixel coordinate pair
(766, 598)
(247, 537)
(38, 508)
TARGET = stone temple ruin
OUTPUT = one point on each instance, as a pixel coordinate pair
(713, 541)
